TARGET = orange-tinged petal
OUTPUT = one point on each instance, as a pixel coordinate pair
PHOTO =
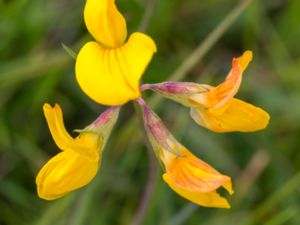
(194, 179)
(189, 172)
(64, 173)
(105, 22)
(225, 91)
(56, 126)
(207, 199)
(236, 115)
(111, 76)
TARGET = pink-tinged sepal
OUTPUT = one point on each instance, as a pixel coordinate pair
(104, 123)
(159, 137)
(187, 93)
(109, 115)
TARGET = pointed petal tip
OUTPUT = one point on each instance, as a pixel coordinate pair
(228, 186)
(248, 54)
(244, 59)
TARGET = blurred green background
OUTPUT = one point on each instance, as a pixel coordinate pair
(264, 166)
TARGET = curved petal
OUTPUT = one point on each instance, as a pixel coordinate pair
(111, 76)
(225, 91)
(236, 115)
(207, 199)
(56, 126)
(64, 173)
(190, 173)
(105, 22)
(245, 59)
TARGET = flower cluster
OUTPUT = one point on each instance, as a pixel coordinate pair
(108, 70)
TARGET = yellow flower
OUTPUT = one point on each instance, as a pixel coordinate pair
(186, 174)
(215, 107)
(79, 160)
(109, 70)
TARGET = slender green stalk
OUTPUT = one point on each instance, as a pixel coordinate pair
(290, 186)
(147, 15)
(284, 216)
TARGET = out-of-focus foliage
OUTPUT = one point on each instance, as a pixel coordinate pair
(34, 68)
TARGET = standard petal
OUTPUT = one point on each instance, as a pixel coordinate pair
(64, 173)
(207, 199)
(236, 115)
(111, 76)
(56, 126)
(105, 22)
(225, 91)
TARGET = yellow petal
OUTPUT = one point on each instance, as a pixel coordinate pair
(56, 126)
(88, 144)
(225, 91)
(207, 199)
(236, 115)
(111, 76)
(245, 59)
(105, 22)
(63, 173)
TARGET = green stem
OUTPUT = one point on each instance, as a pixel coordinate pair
(147, 16)
(290, 186)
